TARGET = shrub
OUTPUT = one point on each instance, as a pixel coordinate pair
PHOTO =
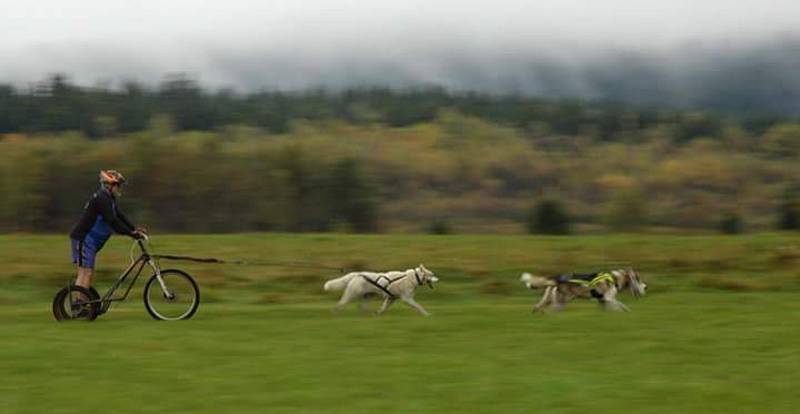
(548, 217)
(440, 226)
(730, 223)
(789, 214)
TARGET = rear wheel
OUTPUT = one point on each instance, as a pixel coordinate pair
(179, 301)
(76, 302)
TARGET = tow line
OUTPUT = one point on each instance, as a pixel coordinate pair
(246, 262)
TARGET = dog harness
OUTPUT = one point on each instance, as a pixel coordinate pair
(383, 282)
(590, 281)
(596, 280)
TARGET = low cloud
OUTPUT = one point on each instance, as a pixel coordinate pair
(705, 55)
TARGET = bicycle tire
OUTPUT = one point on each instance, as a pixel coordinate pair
(60, 312)
(192, 293)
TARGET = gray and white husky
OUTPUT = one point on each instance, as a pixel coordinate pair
(391, 285)
(603, 286)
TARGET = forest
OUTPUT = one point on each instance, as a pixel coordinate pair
(382, 160)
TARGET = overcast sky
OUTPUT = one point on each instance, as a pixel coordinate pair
(303, 43)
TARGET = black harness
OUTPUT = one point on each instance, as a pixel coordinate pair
(416, 276)
(388, 282)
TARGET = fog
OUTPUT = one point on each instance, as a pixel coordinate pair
(678, 53)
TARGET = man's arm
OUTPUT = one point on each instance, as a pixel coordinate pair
(123, 218)
(130, 224)
(105, 206)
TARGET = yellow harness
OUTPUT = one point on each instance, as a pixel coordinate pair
(600, 278)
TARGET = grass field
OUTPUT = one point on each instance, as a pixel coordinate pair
(717, 333)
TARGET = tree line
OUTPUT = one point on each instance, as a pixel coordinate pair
(58, 105)
(455, 172)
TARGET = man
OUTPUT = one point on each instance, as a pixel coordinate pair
(99, 220)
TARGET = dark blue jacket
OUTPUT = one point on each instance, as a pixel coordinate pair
(101, 218)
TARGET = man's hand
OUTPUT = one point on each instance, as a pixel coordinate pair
(138, 235)
(142, 230)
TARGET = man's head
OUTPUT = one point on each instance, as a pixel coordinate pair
(113, 181)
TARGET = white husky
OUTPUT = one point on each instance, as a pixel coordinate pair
(391, 285)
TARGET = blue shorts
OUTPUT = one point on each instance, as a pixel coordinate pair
(84, 252)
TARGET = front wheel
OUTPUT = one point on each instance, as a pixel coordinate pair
(178, 297)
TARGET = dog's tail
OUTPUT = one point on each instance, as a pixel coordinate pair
(339, 283)
(535, 282)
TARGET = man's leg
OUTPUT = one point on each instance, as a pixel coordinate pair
(83, 255)
(85, 277)
(86, 254)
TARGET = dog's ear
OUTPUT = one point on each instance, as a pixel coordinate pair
(422, 266)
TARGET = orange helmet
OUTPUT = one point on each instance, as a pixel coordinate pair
(111, 177)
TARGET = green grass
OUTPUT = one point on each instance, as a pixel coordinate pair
(714, 335)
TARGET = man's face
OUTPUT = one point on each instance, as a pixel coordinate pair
(116, 189)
